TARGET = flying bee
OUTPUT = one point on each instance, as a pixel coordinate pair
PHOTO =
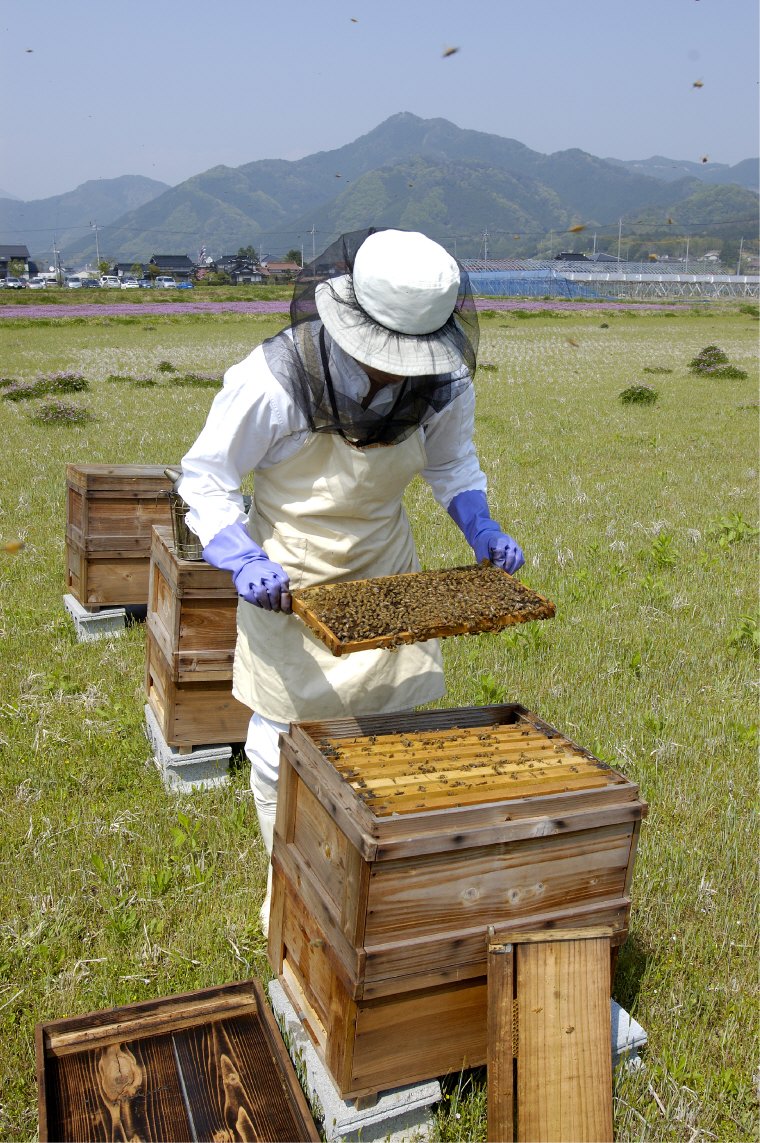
(13, 546)
(697, 83)
(449, 52)
(576, 229)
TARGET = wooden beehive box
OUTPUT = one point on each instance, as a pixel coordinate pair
(110, 510)
(190, 645)
(400, 840)
(208, 1065)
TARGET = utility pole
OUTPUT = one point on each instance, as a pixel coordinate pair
(739, 263)
(620, 235)
(686, 267)
(94, 226)
(313, 232)
(485, 249)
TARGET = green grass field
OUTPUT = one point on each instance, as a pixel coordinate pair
(638, 520)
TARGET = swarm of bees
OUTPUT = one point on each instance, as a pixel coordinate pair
(419, 605)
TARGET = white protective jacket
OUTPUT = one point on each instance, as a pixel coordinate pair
(326, 511)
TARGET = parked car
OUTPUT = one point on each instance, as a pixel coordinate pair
(36, 284)
(74, 283)
(165, 282)
(110, 282)
(89, 283)
(12, 283)
(129, 284)
(185, 284)
(145, 283)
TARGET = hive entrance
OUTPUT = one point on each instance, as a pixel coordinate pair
(391, 610)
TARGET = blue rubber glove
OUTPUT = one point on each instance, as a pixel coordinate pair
(469, 511)
(257, 579)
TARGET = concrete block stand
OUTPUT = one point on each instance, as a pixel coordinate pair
(404, 1115)
(628, 1037)
(91, 625)
(202, 769)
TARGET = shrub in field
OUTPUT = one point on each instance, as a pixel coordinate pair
(729, 373)
(707, 359)
(129, 379)
(746, 635)
(732, 529)
(20, 391)
(713, 362)
(490, 691)
(62, 383)
(44, 384)
(639, 395)
(55, 412)
(196, 380)
(165, 367)
(662, 553)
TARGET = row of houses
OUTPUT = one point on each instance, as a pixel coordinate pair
(179, 266)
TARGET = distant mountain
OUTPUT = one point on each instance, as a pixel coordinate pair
(8, 195)
(65, 218)
(455, 184)
(745, 174)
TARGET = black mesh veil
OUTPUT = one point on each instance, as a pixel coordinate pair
(299, 356)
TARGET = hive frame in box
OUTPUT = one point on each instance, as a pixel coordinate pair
(377, 928)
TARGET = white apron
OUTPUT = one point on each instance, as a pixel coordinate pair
(332, 512)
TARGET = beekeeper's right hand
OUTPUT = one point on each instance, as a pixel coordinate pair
(258, 580)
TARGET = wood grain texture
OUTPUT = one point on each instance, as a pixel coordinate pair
(209, 1065)
(501, 1064)
(381, 920)
(191, 713)
(110, 513)
(564, 1084)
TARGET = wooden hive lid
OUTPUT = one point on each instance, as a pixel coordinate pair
(122, 478)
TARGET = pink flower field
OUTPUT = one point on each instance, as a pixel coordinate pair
(126, 309)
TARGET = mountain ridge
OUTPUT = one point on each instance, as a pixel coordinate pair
(457, 184)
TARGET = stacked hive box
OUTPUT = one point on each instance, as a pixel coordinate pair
(400, 841)
(110, 510)
(191, 632)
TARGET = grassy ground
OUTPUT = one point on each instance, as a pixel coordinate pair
(636, 520)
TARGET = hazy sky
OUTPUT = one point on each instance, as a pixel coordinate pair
(168, 88)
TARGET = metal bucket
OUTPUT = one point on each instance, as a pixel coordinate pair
(187, 546)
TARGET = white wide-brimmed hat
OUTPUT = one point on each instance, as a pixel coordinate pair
(395, 311)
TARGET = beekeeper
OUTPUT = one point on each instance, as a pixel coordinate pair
(370, 384)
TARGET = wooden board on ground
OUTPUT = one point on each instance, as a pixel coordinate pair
(359, 615)
(549, 1012)
(207, 1065)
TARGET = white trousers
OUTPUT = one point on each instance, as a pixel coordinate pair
(263, 752)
